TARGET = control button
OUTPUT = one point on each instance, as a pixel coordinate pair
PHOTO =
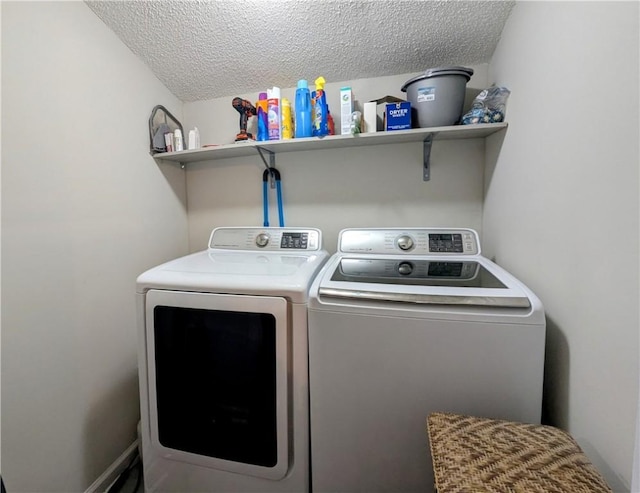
(468, 246)
(313, 241)
(405, 242)
(405, 268)
(262, 240)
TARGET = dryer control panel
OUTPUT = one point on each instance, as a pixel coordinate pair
(266, 239)
(414, 241)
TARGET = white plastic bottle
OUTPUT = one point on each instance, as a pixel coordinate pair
(179, 144)
(194, 139)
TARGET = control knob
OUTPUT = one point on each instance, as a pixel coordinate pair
(405, 268)
(262, 240)
(405, 242)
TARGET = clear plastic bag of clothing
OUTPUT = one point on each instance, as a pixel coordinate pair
(488, 107)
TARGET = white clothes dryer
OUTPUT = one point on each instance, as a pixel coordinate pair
(223, 363)
(402, 323)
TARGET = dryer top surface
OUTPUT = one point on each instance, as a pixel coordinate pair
(219, 271)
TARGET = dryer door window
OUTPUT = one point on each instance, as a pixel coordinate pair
(219, 379)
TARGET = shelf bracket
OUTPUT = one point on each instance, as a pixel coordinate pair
(270, 164)
(426, 157)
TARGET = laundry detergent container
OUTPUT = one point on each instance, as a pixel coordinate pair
(437, 96)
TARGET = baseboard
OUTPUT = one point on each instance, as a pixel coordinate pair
(107, 478)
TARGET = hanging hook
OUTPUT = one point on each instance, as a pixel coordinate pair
(270, 165)
(271, 173)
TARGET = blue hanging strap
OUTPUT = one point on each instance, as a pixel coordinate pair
(280, 211)
(265, 195)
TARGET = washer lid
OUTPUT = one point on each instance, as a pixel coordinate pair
(420, 280)
(416, 272)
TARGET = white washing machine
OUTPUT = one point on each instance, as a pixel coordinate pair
(402, 323)
(223, 363)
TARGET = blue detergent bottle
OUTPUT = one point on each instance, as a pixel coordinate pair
(303, 119)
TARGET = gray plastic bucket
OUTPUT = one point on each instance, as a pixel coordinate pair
(437, 96)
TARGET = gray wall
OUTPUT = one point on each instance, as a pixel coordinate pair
(85, 209)
(561, 209)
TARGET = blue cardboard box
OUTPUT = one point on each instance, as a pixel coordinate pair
(397, 116)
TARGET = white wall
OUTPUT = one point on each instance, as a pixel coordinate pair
(85, 209)
(377, 186)
(561, 209)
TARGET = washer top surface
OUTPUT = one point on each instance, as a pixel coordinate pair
(256, 261)
(416, 268)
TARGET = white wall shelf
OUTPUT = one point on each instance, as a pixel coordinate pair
(251, 148)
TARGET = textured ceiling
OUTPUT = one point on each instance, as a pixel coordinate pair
(207, 49)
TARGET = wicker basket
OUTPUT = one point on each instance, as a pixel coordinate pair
(477, 455)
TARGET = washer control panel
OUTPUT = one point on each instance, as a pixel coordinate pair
(270, 239)
(415, 241)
